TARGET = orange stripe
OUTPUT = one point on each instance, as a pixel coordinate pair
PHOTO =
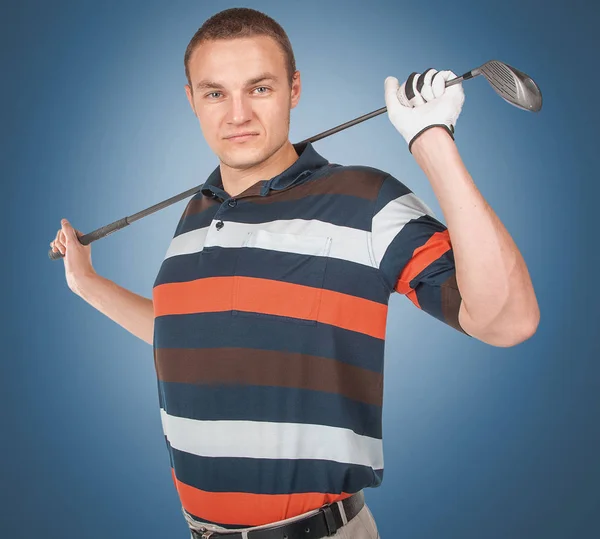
(276, 297)
(201, 296)
(246, 508)
(422, 257)
(271, 297)
(355, 314)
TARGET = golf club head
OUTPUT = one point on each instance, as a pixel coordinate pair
(514, 86)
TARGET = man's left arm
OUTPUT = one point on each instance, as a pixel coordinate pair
(499, 306)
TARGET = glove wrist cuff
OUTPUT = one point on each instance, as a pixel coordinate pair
(450, 131)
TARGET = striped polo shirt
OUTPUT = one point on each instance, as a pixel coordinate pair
(270, 319)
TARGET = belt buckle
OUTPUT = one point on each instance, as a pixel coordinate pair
(206, 534)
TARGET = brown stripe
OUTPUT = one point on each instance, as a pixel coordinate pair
(253, 190)
(203, 203)
(199, 205)
(451, 300)
(269, 368)
(357, 183)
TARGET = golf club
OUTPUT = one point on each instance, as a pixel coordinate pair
(512, 85)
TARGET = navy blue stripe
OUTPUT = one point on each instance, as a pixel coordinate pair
(210, 262)
(272, 476)
(414, 234)
(196, 220)
(430, 300)
(437, 272)
(281, 266)
(340, 276)
(427, 284)
(342, 210)
(337, 209)
(391, 188)
(213, 330)
(169, 450)
(221, 402)
(356, 280)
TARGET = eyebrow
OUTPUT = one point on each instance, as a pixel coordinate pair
(208, 84)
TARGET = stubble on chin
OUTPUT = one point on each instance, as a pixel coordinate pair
(242, 162)
(250, 159)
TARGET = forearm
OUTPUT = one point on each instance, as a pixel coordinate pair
(133, 312)
(499, 303)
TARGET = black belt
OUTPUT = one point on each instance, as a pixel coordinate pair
(322, 524)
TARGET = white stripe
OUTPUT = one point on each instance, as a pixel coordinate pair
(346, 243)
(289, 243)
(258, 439)
(390, 220)
(185, 244)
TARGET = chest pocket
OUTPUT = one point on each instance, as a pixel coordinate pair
(280, 276)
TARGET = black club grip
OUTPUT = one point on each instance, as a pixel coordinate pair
(86, 239)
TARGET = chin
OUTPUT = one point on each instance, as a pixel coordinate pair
(244, 157)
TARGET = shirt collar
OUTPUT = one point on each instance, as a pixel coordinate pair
(308, 161)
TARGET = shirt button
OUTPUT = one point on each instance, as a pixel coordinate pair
(220, 225)
(232, 202)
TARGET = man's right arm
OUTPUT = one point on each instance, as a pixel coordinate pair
(133, 312)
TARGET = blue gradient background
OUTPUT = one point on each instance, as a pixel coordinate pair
(480, 442)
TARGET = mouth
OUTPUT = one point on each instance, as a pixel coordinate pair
(241, 137)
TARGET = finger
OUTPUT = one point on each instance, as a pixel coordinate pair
(391, 91)
(424, 84)
(410, 89)
(396, 92)
(61, 242)
(402, 96)
(67, 231)
(439, 83)
(55, 241)
(56, 247)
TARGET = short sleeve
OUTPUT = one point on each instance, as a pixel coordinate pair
(413, 252)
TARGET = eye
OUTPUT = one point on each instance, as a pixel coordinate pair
(262, 88)
(212, 93)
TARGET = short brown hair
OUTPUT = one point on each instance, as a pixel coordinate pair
(241, 22)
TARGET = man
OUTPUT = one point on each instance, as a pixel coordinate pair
(268, 315)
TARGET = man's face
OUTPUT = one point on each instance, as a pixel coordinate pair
(241, 86)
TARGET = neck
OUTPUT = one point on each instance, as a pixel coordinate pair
(236, 181)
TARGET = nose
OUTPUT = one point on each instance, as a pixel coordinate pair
(240, 110)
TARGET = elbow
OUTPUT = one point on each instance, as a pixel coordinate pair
(507, 335)
(529, 324)
(529, 328)
(506, 330)
(519, 333)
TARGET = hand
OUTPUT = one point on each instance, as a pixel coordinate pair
(77, 257)
(423, 101)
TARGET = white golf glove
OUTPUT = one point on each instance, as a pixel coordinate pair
(423, 101)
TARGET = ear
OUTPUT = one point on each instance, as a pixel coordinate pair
(296, 89)
(190, 98)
